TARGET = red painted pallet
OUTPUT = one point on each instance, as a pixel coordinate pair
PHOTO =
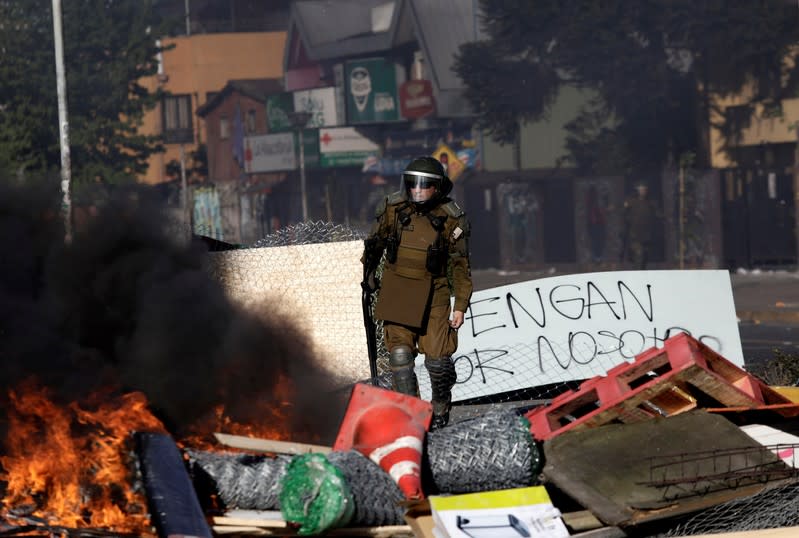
(680, 376)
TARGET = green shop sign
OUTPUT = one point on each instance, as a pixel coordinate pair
(371, 90)
(278, 108)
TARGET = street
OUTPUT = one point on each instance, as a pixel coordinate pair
(760, 339)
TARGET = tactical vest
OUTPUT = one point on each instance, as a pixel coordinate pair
(417, 257)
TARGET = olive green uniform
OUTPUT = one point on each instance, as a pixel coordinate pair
(411, 297)
(431, 265)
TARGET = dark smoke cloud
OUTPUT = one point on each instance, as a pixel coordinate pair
(127, 304)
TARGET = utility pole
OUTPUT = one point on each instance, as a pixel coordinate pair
(63, 122)
(299, 121)
(796, 196)
(796, 187)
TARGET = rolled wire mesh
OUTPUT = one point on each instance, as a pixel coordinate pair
(376, 495)
(492, 451)
(242, 481)
(307, 233)
(769, 509)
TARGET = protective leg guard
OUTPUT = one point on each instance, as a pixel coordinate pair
(442, 379)
(403, 378)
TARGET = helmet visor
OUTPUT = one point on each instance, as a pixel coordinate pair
(421, 180)
(421, 186)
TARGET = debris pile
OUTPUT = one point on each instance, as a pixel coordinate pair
(653, 448)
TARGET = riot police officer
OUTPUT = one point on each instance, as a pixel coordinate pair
(424, 235)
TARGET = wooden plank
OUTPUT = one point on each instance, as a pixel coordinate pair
(388, 531)
(248, 531)
(582, 520)
(604, 532)
(271, 523)
(374, 532)
(251, 518)
(613, 482)
(239, 522)
(268, 445)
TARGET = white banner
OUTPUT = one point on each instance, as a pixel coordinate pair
(575, 327)
(269, 153)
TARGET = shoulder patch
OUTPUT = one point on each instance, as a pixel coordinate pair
(453, 209)
(381, 207)
(395, 198)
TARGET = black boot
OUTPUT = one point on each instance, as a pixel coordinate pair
(442, 379)
(440, 415)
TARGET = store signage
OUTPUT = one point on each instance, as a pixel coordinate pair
(278, 110)
(416, 99)
(320, 103)
(269, 153)
(344, 146)
(371, 90)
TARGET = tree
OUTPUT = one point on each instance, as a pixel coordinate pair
(109, 48)
(656, 67)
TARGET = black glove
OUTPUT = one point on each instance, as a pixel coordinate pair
(372, 253)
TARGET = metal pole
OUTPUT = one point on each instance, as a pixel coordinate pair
(682, 216)
(184, 188)
(796, 197)
(63, 122)
(303, 192)
(796, 190)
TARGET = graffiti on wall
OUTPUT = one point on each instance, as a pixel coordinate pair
(206, 217)
(521, 223)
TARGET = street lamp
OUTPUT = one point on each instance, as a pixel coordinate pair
(299, 120)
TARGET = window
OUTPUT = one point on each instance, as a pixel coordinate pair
(224, 128)
(177, 119)
(250, 121)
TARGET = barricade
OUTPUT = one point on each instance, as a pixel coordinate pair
(681, 376)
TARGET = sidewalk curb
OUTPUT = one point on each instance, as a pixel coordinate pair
(757, 316)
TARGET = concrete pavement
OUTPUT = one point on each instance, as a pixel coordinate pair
(759, 295)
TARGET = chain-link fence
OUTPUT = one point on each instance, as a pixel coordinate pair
(312, 272)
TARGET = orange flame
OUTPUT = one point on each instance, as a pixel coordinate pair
(268, 417)
(70, 464)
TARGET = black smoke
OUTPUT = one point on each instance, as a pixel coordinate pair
(129, 304)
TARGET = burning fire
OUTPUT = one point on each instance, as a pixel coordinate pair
(268, 417)
(70, 465)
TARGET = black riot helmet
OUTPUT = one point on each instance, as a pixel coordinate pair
(426, 182)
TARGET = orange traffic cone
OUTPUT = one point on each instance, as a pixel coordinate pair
(388, 428)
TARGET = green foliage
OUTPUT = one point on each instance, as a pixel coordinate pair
(196, 166)
(653, 63)
(782, 369)
(109, 46)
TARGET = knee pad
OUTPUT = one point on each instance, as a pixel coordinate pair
(400, 357)
(403, 378)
